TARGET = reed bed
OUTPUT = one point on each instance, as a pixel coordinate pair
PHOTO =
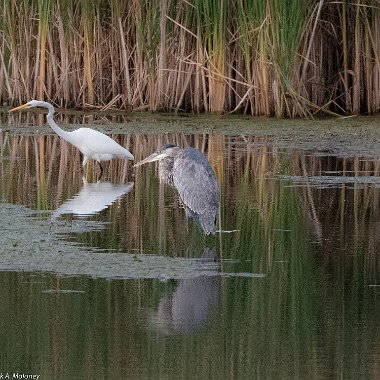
(268, 57)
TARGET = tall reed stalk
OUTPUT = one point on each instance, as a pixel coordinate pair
(43, 28)
(266, 57)
(212, 23)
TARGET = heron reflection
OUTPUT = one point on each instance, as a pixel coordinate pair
(93, 198)
(189, 171)
(190, 305)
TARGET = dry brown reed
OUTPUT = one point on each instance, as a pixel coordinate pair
(268, 57)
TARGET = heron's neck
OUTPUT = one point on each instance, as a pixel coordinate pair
(165, 170)
(59, 131)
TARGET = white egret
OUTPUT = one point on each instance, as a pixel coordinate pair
(93, 144)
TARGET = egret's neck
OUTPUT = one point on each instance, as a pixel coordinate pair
(59, 131)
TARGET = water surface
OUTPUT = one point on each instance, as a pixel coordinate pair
(110, 279)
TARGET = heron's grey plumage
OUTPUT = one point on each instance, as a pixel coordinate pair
(196, 184)
(189, 171)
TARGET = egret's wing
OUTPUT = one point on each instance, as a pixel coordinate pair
(94, 141)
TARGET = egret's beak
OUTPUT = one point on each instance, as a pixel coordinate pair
(153, 157)
(26, 105)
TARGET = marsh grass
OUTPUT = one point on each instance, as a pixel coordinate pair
(267, 57)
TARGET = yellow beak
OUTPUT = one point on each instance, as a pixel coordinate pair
(26, 105)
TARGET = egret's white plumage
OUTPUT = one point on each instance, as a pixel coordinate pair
(93, 144)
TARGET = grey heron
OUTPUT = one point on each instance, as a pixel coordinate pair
(92, 144)
(189, 171)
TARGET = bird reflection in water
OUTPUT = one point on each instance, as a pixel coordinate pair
(189, 171)
(191, 304)
(93, 198)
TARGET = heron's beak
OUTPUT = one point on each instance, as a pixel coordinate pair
(26, 105)
(153, 157)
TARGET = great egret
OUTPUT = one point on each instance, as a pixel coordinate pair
(189, 171)
(93, 144)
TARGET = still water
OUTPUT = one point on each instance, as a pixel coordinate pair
(110, 279)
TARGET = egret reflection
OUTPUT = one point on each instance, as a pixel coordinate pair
(189, 171)
(93, 198)
(191, 304)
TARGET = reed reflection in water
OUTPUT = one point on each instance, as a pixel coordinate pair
(41, 172)
(315, 313)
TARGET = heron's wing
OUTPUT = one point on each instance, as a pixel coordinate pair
(195, 182)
